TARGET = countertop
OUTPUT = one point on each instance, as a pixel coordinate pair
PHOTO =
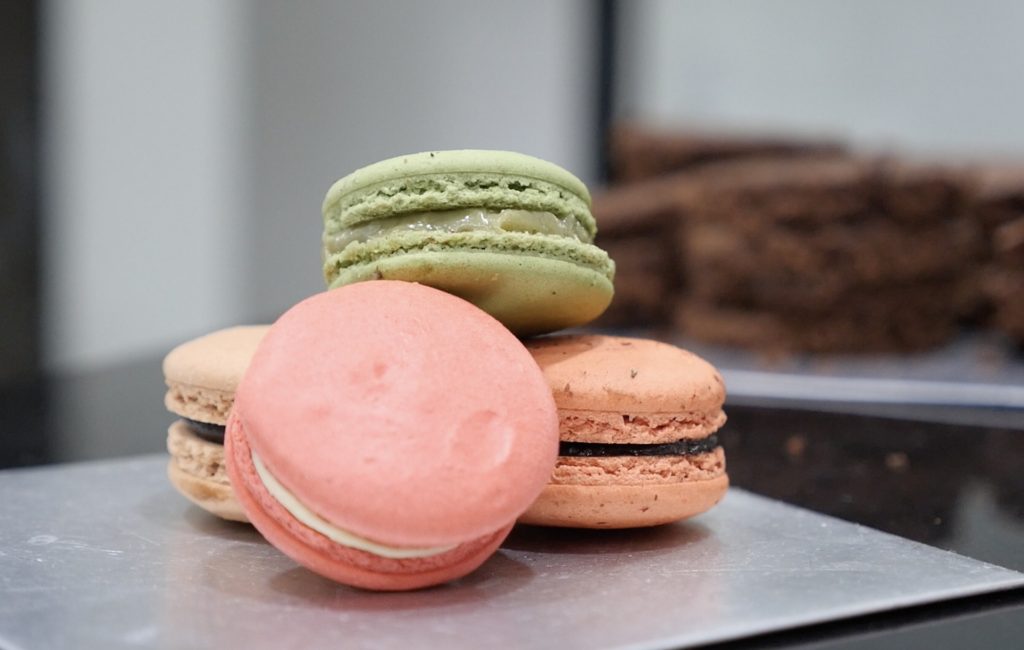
(104, 554)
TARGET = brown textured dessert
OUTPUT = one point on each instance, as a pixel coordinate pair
(999, 209)
(825, 254)
(639, 215)
(770, 191)
(637, 224)
(637, 420)
(820, 268)
(824, 250)
(866, 327)
(639, 152)
(911, 191)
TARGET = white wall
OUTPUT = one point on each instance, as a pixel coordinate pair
(143, 175)
(931, 75)
(191, 142)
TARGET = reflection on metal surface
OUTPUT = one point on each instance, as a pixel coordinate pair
(106, 554)
(873, 390)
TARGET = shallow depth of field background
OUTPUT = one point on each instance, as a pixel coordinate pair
(187, 145)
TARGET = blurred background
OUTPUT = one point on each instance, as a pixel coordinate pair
(163, 163)
(186, 147)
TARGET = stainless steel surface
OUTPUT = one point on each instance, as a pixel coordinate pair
(107, 555)
(875, 390)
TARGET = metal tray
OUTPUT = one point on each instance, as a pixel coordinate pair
(107, 555)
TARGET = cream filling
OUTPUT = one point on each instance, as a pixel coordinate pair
(462, 220)
(331, 532)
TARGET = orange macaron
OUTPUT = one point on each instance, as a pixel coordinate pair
(637, 421)
(387, 435)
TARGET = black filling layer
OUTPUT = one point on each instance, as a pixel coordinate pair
(687, 446)
(206, 431)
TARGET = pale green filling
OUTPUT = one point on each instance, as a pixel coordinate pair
(462, 220)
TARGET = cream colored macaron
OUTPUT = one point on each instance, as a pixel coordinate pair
(637, 421)
(201, 377)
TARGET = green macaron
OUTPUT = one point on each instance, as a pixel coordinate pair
(510, 233)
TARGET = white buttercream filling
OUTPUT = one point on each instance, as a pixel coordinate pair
(295, 507)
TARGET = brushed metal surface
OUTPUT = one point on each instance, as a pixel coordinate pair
(107, 555)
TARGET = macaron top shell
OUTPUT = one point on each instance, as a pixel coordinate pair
(449, 180)
(216, 361)
(400, 413)
(627, 375)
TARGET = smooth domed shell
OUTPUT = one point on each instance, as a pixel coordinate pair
(400, 413)
(626, 375)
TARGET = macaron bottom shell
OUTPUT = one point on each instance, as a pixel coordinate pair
(217, 499)
(196, 470)
(528, 294)
(340, 563)
(624, 506)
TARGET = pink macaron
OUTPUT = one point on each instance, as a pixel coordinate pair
(387, 435)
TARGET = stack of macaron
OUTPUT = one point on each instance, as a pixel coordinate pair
(389, 432)
(201, 377)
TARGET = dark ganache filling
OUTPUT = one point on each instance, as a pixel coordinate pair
(687, 446)
(206, 431)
